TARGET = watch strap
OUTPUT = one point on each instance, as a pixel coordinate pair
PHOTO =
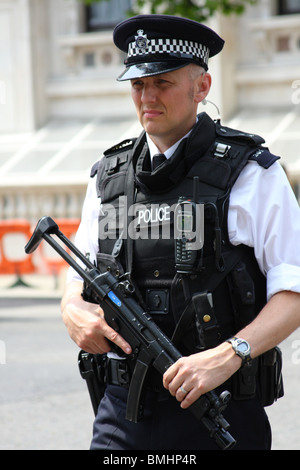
(235, 341)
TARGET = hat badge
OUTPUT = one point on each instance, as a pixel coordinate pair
(141, 40)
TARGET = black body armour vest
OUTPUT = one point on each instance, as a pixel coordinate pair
(136, 232)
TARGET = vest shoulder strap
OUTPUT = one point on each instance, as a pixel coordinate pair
(237, 148)
(237, 135)
(257, 152)
(113, 159)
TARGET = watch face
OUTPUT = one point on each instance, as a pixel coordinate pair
(243, 347)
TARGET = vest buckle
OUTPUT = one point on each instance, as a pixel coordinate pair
(221, 150)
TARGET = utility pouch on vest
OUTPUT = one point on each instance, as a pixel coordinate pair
(270, 376)
(200, 309)
(244, 381)
(242, 291)
(264, 372)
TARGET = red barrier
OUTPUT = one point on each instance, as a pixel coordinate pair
(9, 265)
(44, 261)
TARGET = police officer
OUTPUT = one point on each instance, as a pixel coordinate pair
(249, 260)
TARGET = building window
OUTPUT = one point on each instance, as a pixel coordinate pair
(288, 7)
(106, 14)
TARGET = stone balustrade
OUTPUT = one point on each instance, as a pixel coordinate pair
(34, 201)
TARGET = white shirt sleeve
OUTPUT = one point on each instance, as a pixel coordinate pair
(86, 239)
(264, 214)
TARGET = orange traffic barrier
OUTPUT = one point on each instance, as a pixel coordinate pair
(49, 261)
(13, 259)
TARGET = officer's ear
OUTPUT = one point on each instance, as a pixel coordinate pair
(202, 87)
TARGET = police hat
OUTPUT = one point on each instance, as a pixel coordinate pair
(161, 43)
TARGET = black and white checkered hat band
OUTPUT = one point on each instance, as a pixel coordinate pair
(172, 47)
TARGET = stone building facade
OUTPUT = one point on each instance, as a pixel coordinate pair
(58, 69)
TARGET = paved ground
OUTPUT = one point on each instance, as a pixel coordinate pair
(44, 403)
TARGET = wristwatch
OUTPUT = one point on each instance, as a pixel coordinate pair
(242, 348)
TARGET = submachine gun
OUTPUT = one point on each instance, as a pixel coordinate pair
(149, 344)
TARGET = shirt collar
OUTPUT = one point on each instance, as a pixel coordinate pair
(169, 152)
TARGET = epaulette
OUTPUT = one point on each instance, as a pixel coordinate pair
(124, 145)
(264, 157)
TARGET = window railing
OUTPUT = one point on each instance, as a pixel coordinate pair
(90, 53)
(278, 37)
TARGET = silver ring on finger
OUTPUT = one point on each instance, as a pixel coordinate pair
(182, 389)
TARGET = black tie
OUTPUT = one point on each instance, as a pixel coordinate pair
(157, 160)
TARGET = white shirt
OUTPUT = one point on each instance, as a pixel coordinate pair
(263, 214)
(169, 152)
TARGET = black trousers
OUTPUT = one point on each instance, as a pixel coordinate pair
(166, 426)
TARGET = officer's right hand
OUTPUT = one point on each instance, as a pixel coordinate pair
(86, 324)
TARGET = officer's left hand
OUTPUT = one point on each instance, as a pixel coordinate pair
(199, 373)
